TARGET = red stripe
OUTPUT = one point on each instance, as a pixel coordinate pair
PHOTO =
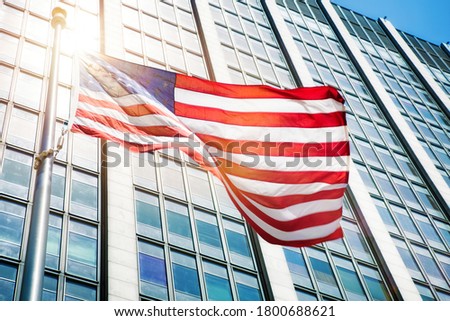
(132, 110)
(125, 128)
(316, 219)
(263, 119)
(288, 149)
(280, 202)
(282, 177)
(255, 91)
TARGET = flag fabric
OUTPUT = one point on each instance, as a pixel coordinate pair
(282, 155)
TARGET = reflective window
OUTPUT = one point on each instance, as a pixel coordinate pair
(199, 187)
(172, 178)
(22, 128)
(374, 283)
(148, 215)
(247, 287)
(350, 280)
(85, 151)
(144, 173)
(83, 200)
(325, 277)
(5, 81)
(12, 217)
(53, 242)
(297, 267)
(28, 90)
(217, 282)
(82, 250)
(9, 46)
(356, 240)
(152, 271)
(50, 286)
(430, 267)
(179, 225)
(208, 234)
(77, 291)
(15, 173)
(8, 274)
(238, 245)
(58, 186)
(184, 268)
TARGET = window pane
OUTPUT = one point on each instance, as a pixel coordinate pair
(199, 186)
(5, 81)
(406, 223)
(373, 280)
(28, 90)
(8, 275)
(148, 215)
(11, 228)
(85, 151)
(297, 266)
(356, 241)
(184, 268)
(217, 283)
(247, 287)
(15, 173)
(82, 250)
(173, 179)
(22, 128)
(179, 225)
(152, 271)
(58, 187)
(77, 291)
(324, 275)
(208, 234)
(9, 46)
(53, 242)
(430, 266)
(33, 58)
(238, 244)
(49, 288)
(408, 259)
(349, 279)
(144, 173)
(83, 199)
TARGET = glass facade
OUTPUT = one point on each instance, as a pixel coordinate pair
(186, 227)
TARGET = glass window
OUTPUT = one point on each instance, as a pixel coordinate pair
(11, 19)
(185, 19)
(386, 186)
(22, 128)
(152, 271)
(53, 242)
(305, 296)
(130, 17)
(82, 250)
(444, 228)
(429, 231)
(2, 116)
(429, 265)
(356, 241)
(50, 287)
(28, 90)
(217, 282)
(408, 259)
(9, 46)
(144, 173)
(84, 199)
(37, 29)
(178, 224)
(374, 283)
(190, 41)
(196, 65)
(388, 160)
(85, 151)
(199, 187)
(407, 193)
(132, 40)
(350, 280)
(15, 173)
(247, 286)
(167, 12)
(11, 228)
(77, 291)
(5, 81)
(386, 216)
(425, 292)
(367, 151)
(367, 179)
(184, 268)
(58, 186)
(238, 244)
(172, 178)
(323, 273)
(226, 205)
(33, 58)
(148, 215)
(208, 234)
(175, 57)
(444, 260)
(406, 223)
(428, 200)
(170, 33)
(297, 267)
(8, 274)
(150, 25)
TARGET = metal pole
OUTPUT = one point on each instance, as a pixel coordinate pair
(33, 275)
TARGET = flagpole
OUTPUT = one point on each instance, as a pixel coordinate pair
(33, 275)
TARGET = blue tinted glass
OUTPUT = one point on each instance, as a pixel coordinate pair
(148, 214)
(179, 224)
(50, 287)
(376, 289)
(208, 233)
(7, 281)
(218, 288)
(152, 269)
(180, 275)
(53, 242)
(297, 266)
(80, 292)
(305, 296)
(248, 293)
(352, 285)
(11, 226)
(325, 278)
(82, 253)
(237, 242)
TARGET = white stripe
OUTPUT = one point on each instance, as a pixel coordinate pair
(145, 120)
(278, 105)
(298, 235)
(299, 210)
(286, 164)
(279, 189)
(273, 134)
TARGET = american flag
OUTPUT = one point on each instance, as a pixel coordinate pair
(282, 155)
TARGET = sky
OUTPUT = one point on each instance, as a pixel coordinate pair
(426, 19)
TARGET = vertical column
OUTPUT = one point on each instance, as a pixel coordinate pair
(123, 273)
(430, 84)
(290, 50)
(394, 267)
(423, 162)
(211, 44)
